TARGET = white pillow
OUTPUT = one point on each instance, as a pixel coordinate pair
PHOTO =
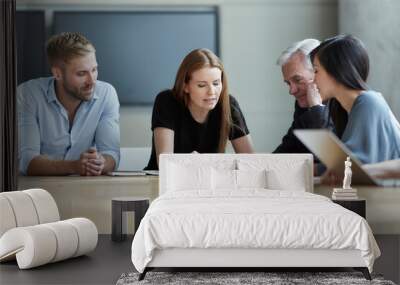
(236, 179)
(223, 179)
(251, 178)
(281, 174)
(183, 178)
(293, 181)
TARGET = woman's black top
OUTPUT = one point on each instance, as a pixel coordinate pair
(190, 135)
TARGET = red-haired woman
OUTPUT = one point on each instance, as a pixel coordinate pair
(198, 114)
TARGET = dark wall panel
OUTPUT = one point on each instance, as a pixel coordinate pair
(139, 52)
(31, 37)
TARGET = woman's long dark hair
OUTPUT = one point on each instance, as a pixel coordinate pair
(345, 58)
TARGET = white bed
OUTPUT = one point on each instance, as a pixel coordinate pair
(220, 211)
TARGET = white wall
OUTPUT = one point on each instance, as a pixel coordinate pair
(377, 24)
(252, 35)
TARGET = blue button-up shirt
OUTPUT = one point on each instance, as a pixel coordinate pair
(44, 127)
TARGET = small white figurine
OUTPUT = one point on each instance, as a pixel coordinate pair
(346, 192)
(347, 174)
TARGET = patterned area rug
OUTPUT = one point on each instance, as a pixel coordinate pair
(269, 278)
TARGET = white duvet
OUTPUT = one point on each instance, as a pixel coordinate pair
(251, 218)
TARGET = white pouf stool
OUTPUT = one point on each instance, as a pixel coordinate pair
(32, 233)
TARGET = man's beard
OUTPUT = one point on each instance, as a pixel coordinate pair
(77, 93)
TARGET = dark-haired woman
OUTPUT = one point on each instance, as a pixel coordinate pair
(198, 114)
(362, 118)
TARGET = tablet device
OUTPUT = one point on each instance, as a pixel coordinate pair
(333, 153)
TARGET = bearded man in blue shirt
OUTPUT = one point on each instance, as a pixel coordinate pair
(68, 123)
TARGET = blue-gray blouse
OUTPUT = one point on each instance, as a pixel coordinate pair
(372, 132)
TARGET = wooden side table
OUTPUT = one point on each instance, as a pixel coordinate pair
(358, 206)
(119, 205)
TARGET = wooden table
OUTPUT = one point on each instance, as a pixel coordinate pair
(91, 197)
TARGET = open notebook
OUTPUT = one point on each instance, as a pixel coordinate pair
(133, 160)
(133, 173)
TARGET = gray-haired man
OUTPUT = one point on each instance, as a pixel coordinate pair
(298, 74)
